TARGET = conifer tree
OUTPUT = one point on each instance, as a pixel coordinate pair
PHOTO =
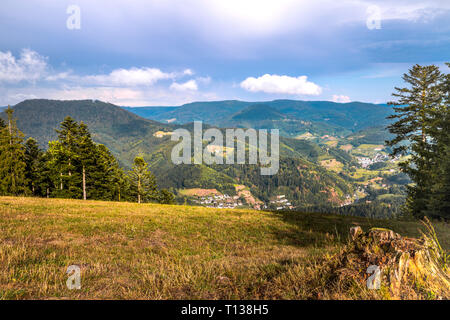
(33, 163)
(439, 204)
(86, 150)
(48, 177)
(65, 156)
(143, 181)
(104, 169)
(56, 165)
(166, 197)
(121, 185)
(415, 115)
(12, 153)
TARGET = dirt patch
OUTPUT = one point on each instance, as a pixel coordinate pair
(247, 195)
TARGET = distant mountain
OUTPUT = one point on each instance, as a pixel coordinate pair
(352, 116)
(208, 112)
(3, 108)
(258, 112)
(149, 112)
(293, 118)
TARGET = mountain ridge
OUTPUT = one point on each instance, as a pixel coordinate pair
(314, 117)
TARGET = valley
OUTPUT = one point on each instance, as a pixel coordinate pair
(323, 162)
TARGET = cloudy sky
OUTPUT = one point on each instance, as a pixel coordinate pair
(170, 52)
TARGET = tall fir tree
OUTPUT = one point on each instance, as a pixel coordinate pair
(86, 150)
(68, 156)
(121, 183)
(416, 111)
(78, 167)
(12, 154)
(439, 204)
(33, 162)
(104, 171)
(48, 177)
(143, 181)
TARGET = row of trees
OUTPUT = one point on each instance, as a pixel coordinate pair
(72, 167)
(422, 132)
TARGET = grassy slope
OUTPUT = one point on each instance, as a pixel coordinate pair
(153, 251)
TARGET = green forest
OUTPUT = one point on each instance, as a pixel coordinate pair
(73, 167)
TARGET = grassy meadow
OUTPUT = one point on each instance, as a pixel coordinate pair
(150, 251)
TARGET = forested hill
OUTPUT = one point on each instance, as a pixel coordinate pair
(123, 132)
(351, 116)
(38, 118)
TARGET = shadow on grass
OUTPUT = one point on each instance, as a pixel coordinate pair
(318, 229)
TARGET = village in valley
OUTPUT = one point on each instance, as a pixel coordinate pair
(370, 171)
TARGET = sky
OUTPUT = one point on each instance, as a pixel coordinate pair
(171, 52)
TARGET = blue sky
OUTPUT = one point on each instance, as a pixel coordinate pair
(168, 52)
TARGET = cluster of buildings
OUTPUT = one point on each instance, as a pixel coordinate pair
(230, 202)
(359, 192)
(219, 201)
(365, 162)
(280, 203)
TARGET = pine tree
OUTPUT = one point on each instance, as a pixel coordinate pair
(55, 166)
(121, 184)
(415, 112)
(143, 181)
(48, 176)
(33, 163)
(166, 197)
(12, 152)
(439, 204)
(65, 157)
(86, 150)
(84, 169)
(103, 173)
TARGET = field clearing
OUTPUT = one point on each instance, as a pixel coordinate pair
(332, 164)
(150, 251)
(199, 192)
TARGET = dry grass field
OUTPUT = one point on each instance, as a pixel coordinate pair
(149, 251)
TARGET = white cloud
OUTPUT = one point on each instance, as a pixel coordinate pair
(29, 67)
(188, 72)
(188, 85)
(281, 84)
(156, 96)
(341, 98)
(58, 76)
(22, 96)
(130, 77)
(204, 80)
